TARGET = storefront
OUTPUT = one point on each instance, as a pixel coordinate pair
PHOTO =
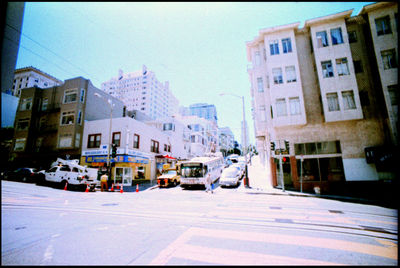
(126, 167)
(314, 164)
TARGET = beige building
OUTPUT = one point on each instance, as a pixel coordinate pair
(50, 121)
(316, 87)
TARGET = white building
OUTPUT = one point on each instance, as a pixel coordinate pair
(140, 147)
(226, 139)
(203, 135)
(140, 90)
(32, 77)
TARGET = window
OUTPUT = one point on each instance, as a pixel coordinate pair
(336, 35)
(290, 74)
(341, 67)
(389, 59)
(322, 39)
(82, 95)
(262, 113)
(70, 95)
(260, 84)
(19, 144)
(136, 139)
(77, 140)
(257, 58)
(274, 47)
(116, 138)
(79, 121)
(23, 124)
(65, 141)
(277, 74)
(67, 118)
(168, 126)
(45, 103)
(26, 104)
(393, 93)
(154, 146)
(358, 66)
(165, 148)
(327, 69)
(383, 26)
(281, 107)
(352, 36)
(294, 104)
(286, 45)
(333, 102)
(348, 100)
(94, 141)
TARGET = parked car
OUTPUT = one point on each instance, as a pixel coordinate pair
(239, 167)
(230, 177)
(22, 174)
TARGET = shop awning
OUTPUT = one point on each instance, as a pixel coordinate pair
(165, 156)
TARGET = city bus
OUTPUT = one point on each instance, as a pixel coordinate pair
(194, 171)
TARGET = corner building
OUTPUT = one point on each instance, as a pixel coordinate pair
(319, 88)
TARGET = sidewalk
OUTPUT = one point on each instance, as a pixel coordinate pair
(260, 184)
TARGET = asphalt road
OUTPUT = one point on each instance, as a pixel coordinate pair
(46, 226)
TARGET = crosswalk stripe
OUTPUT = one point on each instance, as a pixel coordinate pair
(235, 257)
(327, 243)
(181, 249)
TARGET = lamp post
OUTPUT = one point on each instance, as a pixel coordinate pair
(246, 179)
(109, 102)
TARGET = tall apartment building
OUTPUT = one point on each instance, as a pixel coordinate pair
(140, 90)
(49, 122)
(318, 87)
(203, 110)
(32, 77)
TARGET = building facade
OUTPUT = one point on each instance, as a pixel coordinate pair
(32, 77)
(226, 140)
(141, 148)
(141, 90)
(49, 122)
(315, 88)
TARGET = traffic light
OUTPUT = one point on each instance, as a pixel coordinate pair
(114, 151)
(284, 159)
(272, 146)
(287, 146)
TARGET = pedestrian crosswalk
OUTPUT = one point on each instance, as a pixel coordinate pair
(218, 253)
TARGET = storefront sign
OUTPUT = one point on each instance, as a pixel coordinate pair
(117, 159)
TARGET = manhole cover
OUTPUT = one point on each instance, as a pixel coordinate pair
(109, 205)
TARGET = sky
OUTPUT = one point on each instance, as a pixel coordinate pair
(199, 47)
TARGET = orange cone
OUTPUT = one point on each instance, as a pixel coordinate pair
(87, 188)
(137, 188)
(66, 184)
(122, 190)
(112, 187)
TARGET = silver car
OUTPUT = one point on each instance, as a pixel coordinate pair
(230, 177)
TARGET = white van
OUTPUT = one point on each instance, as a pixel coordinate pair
(74, 175)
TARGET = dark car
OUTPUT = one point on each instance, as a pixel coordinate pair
(22, 174)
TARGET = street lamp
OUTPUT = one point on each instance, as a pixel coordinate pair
(109, 102)
(246, 179)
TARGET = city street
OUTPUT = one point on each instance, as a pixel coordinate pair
(47, 226)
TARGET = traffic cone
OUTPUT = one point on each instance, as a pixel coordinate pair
(112, 187)
(137, 188)
(87, 188)
(66, 184)
(122, 190)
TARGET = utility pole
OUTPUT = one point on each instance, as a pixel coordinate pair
(281, 166)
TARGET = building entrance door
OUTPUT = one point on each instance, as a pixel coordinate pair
(287, 173)
(123, 175)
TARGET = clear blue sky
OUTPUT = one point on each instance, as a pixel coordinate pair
(199, 47)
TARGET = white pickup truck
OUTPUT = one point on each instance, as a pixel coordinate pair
(68, 172)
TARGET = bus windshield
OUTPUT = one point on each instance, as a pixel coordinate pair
(192, 170)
